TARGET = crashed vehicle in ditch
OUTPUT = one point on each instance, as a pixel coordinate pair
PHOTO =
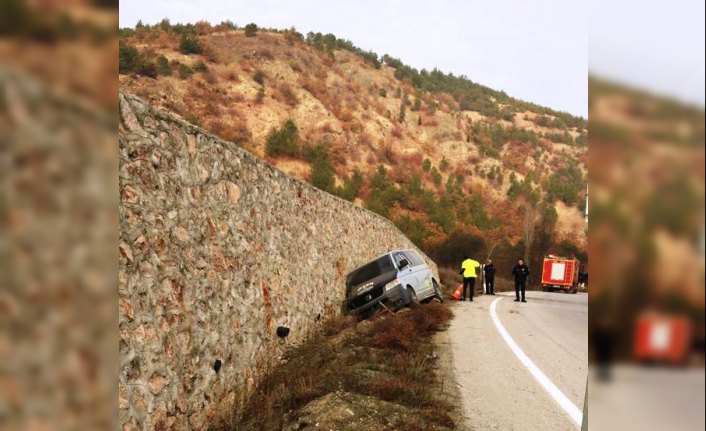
(397, 279)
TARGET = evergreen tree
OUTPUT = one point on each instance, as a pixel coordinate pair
(284, 141)
(190, 45)
(251, 30)
(322, 176)
(426, 165)
(163, 66)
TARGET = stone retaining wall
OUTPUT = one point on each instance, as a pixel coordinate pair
(218, 248)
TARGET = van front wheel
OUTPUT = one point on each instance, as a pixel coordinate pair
(437, 291)
(412, 299)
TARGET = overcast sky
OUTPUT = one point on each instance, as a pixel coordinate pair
(657, 45)
(535, 50)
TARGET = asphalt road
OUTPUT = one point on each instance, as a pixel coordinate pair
(648, 399)
(501, 392)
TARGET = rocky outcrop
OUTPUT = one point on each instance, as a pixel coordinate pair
(218, 249)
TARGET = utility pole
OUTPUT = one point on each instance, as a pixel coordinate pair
(586, 212)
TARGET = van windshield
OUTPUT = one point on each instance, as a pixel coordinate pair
(370, 270)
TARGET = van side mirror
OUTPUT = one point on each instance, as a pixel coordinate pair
(404, 263)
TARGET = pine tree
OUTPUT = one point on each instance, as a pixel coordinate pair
(251, 30)
(400, 117)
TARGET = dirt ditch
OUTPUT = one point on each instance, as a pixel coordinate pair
(391, 373)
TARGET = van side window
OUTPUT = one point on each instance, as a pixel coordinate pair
(398, 258)
(414, 258)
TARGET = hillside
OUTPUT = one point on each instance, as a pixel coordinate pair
(446, 159)
(647, 203)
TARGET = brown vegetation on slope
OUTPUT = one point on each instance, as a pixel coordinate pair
(364, 116)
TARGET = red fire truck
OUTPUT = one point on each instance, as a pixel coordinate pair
(560, 273)
(662, 338)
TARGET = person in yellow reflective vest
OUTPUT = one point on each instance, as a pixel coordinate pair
(469, 273)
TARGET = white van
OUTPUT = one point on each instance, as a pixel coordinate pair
(396, 279)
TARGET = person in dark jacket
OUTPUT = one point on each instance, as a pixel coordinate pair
(489, 274)
(521, 272)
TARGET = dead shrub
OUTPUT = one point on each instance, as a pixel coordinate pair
(326, 127)
(212, 105)
(396, 131)
(413, 423)
(304, 389)
(216, 127)
(355, 126)
(209, 52)
(354, 154)
(245, 65)
(379, 108)
(393, 333)
(166, 41)
(412, 160)
(203, 28)
(287, 95)
(431, 317)
(320, 73)
(337, 324)
(296, 66)
(143, 92)
(396, 388)
(399, 176)
(389, 154)
(364, 138)
(237, 131)
(266, 54)
(210, 78)
(231, 76)
(317, 89)
(345, 115)
(438, 415)
(326, 59)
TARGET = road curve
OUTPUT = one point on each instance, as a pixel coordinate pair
(498, 391)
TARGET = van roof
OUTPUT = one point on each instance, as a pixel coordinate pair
(394, 250)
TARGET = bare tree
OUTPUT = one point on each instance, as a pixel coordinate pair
(528, 228)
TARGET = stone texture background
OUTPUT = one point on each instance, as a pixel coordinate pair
(218, 248)
(58, 236)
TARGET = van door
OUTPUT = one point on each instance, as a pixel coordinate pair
(407, 274)
(422, 272)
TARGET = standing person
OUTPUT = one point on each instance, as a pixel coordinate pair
(521, 272)
(468, 271)
(489, 273)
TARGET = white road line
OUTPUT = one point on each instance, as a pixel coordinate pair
(559, 397)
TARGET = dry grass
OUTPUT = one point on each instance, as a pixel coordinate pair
(342, 356)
